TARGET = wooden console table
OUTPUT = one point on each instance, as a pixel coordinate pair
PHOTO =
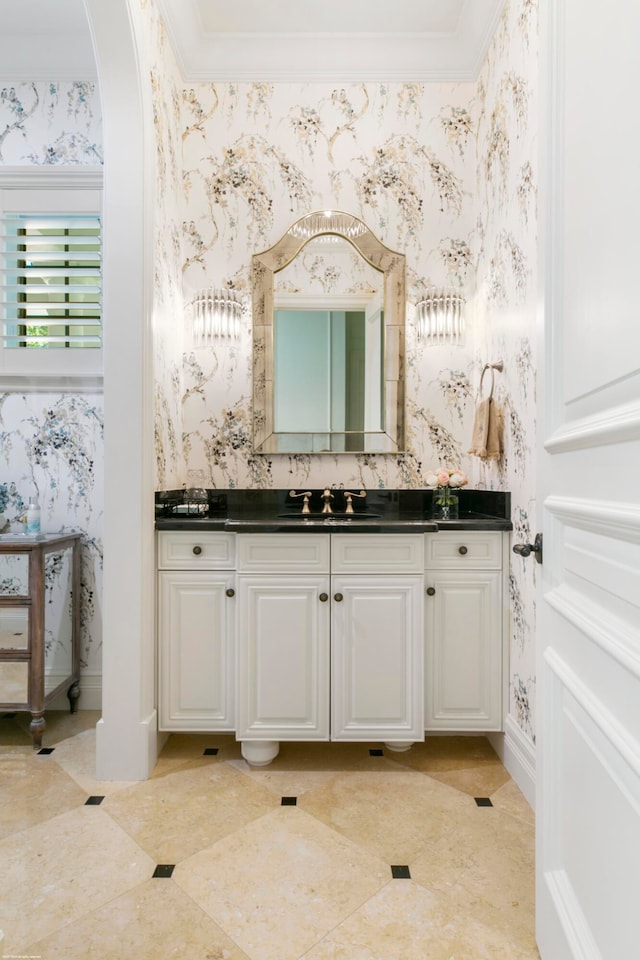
(39, 623)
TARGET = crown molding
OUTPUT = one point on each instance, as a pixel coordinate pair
(277, 57)
(45, 177)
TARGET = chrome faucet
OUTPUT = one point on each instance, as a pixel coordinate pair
(327, 497)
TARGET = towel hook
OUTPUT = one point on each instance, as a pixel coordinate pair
(493, 367)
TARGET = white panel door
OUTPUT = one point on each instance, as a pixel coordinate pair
(588, 762)
(283, 657)
(377, 658)
(463, 665)
(196, 650)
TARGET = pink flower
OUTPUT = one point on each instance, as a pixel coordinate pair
(443, 478)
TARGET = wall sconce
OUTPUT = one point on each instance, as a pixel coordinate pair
(440, 318)
(215, 315)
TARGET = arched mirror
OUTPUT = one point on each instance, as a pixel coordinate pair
(328, 340)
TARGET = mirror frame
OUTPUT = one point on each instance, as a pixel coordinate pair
(264, 267)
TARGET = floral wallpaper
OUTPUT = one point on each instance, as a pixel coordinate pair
(51, 444)
(505, 114)
(168, 301)
(50, 122)
(257, 157)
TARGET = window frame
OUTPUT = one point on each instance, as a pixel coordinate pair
(57, 191)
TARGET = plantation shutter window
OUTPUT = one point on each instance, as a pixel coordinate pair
(51, 282)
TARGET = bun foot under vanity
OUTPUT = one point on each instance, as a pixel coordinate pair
(329, 635)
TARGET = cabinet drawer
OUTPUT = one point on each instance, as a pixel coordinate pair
(463, 549)
(191, 550)
(377, 553)
(285, 552)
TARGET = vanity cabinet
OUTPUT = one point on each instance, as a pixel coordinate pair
(39, 624)
(377, 638)
(329, 638)
(196, 630)
(465, 670)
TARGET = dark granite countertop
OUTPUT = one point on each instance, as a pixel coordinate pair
(275, 511)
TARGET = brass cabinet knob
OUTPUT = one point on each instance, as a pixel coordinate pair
(337, 597)
(324, 597)
(231, 592)
(463, 550)
(197, 550)
(431, 591)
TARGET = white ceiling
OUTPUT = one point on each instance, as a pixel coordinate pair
(268, 40)
(45, 40)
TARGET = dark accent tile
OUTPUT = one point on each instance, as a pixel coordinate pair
(45, 751)
(289, 801)
(483, 801)
(376, 753)
(93, 801)
(164, 870)
(400, 873)
(210, 752)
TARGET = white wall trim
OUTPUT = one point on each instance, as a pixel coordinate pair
(42, 383)
(126, 737)
(605, 517)
(579, 939)
(611, 729)
(614, 425)
(615, 637)
(518, 754)
(51, 178)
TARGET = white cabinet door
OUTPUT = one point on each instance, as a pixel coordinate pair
(377, 657)
(196, 647)
(463, 671)
(283, 657)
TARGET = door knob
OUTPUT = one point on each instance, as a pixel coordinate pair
(337, 596)
(324, 597)
(231, 592)
(431, 591)
(524, 549)
(197, 551)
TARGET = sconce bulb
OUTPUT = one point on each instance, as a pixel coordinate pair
(440, 317)
(215, 315)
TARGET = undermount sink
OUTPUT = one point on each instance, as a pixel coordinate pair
(361, 515)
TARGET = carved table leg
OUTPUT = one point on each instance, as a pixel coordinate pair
(73, 694)
(37, 728)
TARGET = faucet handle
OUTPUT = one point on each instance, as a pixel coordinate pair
(327, 497)
(305, 502)
(348, 495)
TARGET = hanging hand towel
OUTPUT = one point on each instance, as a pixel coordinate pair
(488, 431)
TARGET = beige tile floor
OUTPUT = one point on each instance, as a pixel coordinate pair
(253, 878)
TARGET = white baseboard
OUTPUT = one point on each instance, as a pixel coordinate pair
(90, 694)
(518, 755)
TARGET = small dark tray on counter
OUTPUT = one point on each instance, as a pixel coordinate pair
(383, 511)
